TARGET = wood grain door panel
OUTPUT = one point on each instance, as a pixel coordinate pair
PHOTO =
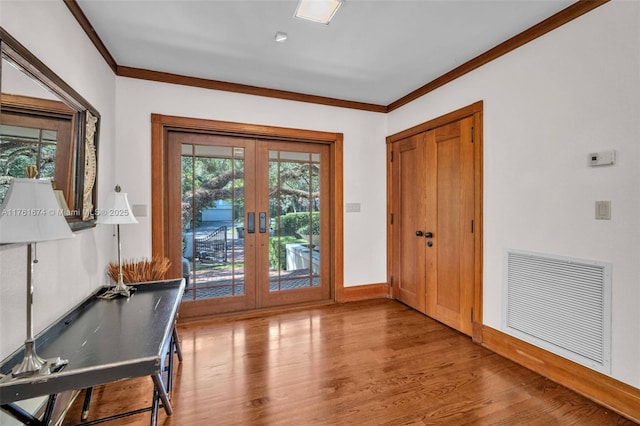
(449, 216)
(409, 285)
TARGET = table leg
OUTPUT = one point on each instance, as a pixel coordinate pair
(154, 408)
(174, 346)
(48, 411)
(169, 368)
(162, 391)
(176, 343)
(85, 405)
(21, 414)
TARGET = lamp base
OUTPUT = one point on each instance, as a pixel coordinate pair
(33, 365)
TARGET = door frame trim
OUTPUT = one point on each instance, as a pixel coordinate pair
(475, 110)
(162, 124)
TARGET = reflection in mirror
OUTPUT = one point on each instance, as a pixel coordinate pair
(44, 122)
(34, 130)
(21, 146)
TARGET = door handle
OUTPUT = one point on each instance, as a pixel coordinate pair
(428, 234)
(251, 223)
(418, 233)
(263, 222)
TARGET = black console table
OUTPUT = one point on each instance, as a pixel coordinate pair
(104, 341)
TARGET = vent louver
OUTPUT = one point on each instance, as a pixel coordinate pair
(560, 304)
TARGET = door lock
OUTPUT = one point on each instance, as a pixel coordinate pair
(262, 221)
(251, 222)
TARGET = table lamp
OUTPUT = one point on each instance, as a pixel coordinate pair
(117, 211)
(30, 214)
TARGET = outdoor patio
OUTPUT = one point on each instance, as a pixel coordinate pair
(223, 275)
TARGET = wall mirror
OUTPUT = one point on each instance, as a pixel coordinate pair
(43, 121)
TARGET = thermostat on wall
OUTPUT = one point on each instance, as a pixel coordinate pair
(603, 158)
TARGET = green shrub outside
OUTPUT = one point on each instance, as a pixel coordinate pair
(291, 225)
(304, 229)
(278, 250)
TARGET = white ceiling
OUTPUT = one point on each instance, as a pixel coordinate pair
(374, 51)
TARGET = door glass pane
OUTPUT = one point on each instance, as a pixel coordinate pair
(294, 208)
(212, 214)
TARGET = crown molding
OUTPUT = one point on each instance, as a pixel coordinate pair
(564, 16)
(77, 13)
(204, 83)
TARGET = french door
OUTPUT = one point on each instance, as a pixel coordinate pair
(253, 225)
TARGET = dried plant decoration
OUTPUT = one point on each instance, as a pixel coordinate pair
(136, 271)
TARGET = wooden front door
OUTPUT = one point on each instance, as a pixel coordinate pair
(435, 232)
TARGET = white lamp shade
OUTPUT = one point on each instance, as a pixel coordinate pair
(115, 210)
(30, 213)
(62, 203)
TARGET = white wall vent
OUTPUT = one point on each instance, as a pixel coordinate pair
(560, 304)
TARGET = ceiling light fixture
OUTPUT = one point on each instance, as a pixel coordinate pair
(281, 37)
(321, 11)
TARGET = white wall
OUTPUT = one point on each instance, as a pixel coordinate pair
(68, 270)
(547, 105)
(364, 158)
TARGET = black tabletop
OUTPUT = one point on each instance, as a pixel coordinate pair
(103, 340)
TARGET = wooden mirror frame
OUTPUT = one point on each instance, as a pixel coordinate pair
(86, 124)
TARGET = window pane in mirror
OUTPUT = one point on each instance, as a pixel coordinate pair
(23, 146)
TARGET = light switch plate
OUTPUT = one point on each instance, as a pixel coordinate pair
(604, 158)
(603, 210)
(352, 207)
(139, 210)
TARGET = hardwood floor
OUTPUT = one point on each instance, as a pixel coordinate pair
(375, 362)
